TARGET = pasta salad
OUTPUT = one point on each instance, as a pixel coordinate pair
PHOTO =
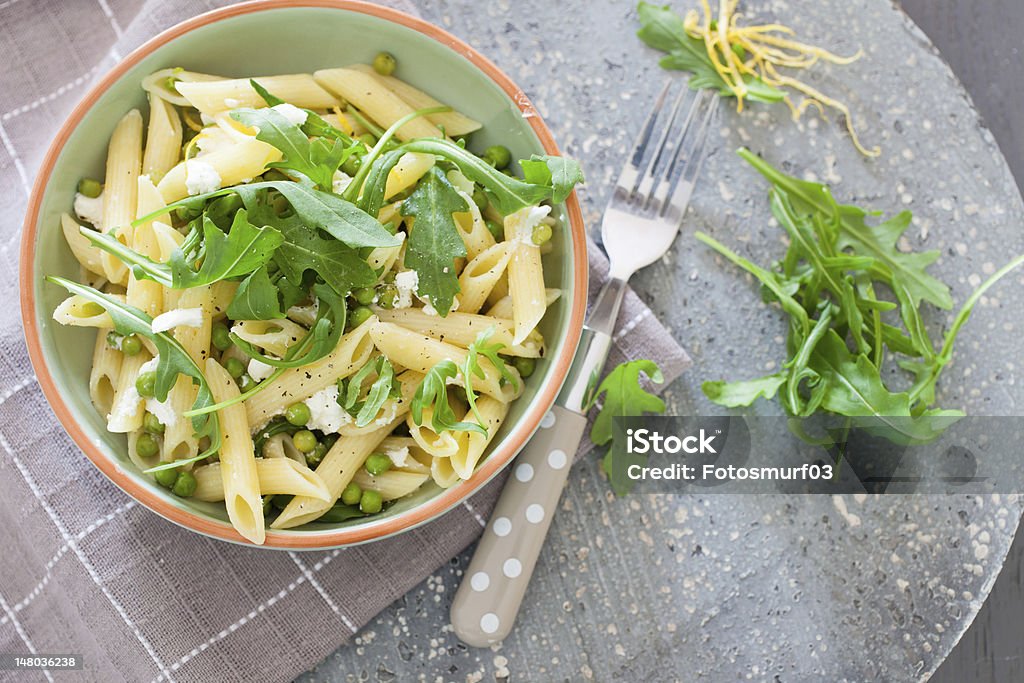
(311, 298)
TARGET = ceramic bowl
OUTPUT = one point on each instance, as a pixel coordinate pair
(277, 37)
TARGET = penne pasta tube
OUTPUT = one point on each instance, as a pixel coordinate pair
(392, 484)
(410, 168)
(163, 139)
(273, 336)
(145, 294)
(371, 97)
(233, 164)
(106, 367)
(297, 384)
(471, 444)
(241, 483)
(120, 190)
(89, 256)
(78, 311)
(179, 439)
(442, 472)
(276, 476)
(478, 279)
(337, 469)
(462, 329)
(472, 227)
(525, 273)
(214, 96)
(453, 123)
(157, 84)
(421, 353)
(443, 445)
(503, 307)
(128, 407)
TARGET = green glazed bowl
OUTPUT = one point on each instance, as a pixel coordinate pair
(280, 37)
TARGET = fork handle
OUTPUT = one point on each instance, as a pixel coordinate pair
(492, 589)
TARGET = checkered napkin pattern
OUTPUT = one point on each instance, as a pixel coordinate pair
(83, 567)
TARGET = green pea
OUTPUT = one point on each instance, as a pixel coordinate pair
(297, 414)
(496, 229)
(364, 296)
(131, 345)
(352, 494)
(90, 188)
(368, 139)
(387, 295)
(316, 457)
(480, 198)
(146, 445)
(358, 316)
(384, 63)
(188, 213)
(114, 340)
(234, 367)
(541, 234)
(220, 335)
(498, 156)
(304, 440)
(370, 502)
(377, 463)
(152, 424)
(525, 366)
(185, 486)
(245, 382)
(90, 309)
(145, 384)
(166, 478)
(351, 165)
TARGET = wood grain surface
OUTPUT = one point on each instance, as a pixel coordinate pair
(983, 41)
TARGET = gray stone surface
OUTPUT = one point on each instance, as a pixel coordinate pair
(752, 587)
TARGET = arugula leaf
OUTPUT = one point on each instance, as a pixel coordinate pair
(478, 348)
(381, 389)
(663, 29)
(561, 174)
(743, 393)
(623, 397)
(271, 100)
(433, 393)
(317, 159)
(174, 361)
(435, 242)
(257, 298)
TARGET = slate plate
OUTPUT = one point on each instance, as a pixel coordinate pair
(750, 587)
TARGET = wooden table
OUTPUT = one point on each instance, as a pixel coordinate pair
(982, 41)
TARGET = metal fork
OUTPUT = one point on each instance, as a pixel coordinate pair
(639, 225)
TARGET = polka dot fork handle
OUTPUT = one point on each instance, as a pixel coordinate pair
(492, 589)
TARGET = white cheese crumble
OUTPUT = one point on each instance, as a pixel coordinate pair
(184, 317)
(163, 411)
(525, 220)
(291, 112)
(124, 410)
(259, 370)
(200, 177)
(399, 456)
(89, 209)
(325, 413)
(341, 182)
(406, 283)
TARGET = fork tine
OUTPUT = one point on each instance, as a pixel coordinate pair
(646, 182)
(679, 182)
(631, 171)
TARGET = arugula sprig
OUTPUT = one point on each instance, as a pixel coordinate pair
(174, 360)
(624, 396)
(242, 250)
(381, 389)
(433, 393)
(838, 343)
(479, 348)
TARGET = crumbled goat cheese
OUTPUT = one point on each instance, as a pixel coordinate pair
(291, 112)
(89, 209)
(341, 182)
(184, 317)
(325, 413)
(163, 411)
(525, 220)
(124, 410)
(200, 177)
(399, 456)
(259, 370)
(406, 283)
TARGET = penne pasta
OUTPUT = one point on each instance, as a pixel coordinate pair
(481, 275)
(371, 97)
(391, 485)
(241, 485)
(462, 329)
(525, 275)
(215, 96)
(276, 476)
(473, 444)
(502, 308)
(120, 190)
(106, 367)
(89, 256)
(163, 139)
(240, 162)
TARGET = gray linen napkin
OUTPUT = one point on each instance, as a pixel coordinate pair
(84, 568)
